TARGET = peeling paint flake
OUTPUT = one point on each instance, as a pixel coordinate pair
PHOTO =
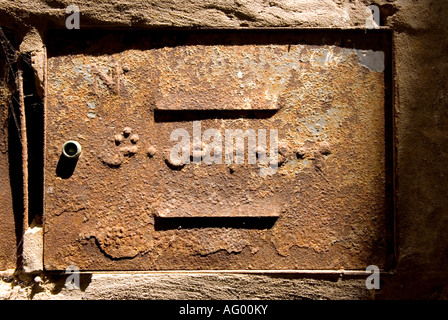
(372, 60)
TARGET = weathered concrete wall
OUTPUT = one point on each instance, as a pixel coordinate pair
(7, 233)
(421, 136)
(421, 126)
(212, 14)
(194, 286)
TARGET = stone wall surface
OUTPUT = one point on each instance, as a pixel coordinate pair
(420, 97)
(8, 243)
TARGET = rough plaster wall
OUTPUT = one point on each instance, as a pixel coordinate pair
(421, 44)
(204, 286)
(421, 134)
(7, 234)
(205, 13)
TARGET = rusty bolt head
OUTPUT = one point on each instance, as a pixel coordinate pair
(301, 153)
(284, 149)
(119, 138)
(134, 138)
(151, 151)
(324, 148)
(127, 131)
(260, 151)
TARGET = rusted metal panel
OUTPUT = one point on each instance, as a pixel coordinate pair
(126, 204)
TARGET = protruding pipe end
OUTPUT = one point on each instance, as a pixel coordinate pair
(71, 149)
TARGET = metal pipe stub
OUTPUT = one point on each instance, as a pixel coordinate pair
(71, 149)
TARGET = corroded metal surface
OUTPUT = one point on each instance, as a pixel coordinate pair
(125, 205)
(239, 79)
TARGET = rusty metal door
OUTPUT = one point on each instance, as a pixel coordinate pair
(116, 200)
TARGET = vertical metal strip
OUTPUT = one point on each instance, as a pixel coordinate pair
(44, 153)
(24, 140)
